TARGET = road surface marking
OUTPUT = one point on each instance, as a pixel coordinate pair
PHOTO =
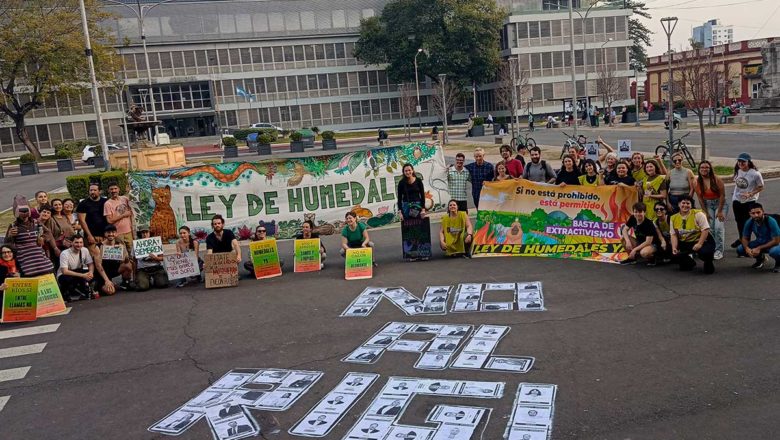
(3, 401)
(13, 373)
(21, 350)
(29, 331)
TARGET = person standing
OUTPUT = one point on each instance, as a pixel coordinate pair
(63, 224)
(415, 226)
(513, 166)
(411, 194)
(681, 182)
(590, 177)
(568, 174)
(767, 241)
(222, 240)
(690, 233)
(538, 170)
(711, 193)
(91, 218)
(501, 173)
(480, 171)
(118, 213)
(457, 177)
(748, 183)
(27, 236)
(653, 188)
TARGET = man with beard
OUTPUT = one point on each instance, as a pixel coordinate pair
(767, 233)
(538, 170)
(513, 166)
(91, 218)
(222, 240)
(118, 213)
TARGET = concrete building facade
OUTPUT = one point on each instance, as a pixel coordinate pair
(713, 33)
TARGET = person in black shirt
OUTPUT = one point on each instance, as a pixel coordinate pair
(621, 176)
(411, 194)
(307, 232)
(569, 174)
(91, 218)
(646, 240)
(222, 240)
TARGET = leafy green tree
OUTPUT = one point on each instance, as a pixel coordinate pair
(637, 31)
(42, 56)
(461, 38)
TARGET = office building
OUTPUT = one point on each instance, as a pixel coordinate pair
(713, 33)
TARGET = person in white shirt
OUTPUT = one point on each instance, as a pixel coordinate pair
(76, 271)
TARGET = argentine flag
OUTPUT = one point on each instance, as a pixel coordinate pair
(244, 93)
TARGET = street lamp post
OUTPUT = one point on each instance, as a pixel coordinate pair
(584, 56)
(636, 92)
(442, 81)
(95, 94)
(604, 62)
(573, 73)
(669, 23)
(417, 85)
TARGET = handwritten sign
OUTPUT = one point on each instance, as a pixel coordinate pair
(221, 270)
(20, 300)
(113, 253)
(265, 258)
(359, 264)
(50, 301)
(307, 255)
(181, 265)
(624, 148)
(143, 247)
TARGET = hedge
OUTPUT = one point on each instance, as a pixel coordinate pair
(75, 148)
(244, 132)
(78, 186)
(229, 141)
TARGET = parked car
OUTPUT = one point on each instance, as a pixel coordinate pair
(267, 125)
(88, 153)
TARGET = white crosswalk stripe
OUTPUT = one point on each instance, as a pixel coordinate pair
(21, 350)
(29, 331)
(13, 373)
(3, 401)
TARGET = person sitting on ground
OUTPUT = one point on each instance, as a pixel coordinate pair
(259, 235)
(591, 177)
(222, 240)
(77, 269)
(149, 270)
(456, 231)
(568, 174)
(767, 232)
(8, 267)
(662, 225)
(513, 166)
(354, 235)
(110, 269)
(307, 232)
(501, 172)
(187, 243)
(538, 170)
(690, 233)
(653, 188)
(621, 177)
(646, 239)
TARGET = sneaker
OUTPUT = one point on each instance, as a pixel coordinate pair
(759, 262)
(181, 283)
(735, 244)
(125, 285)
(628, 261)
(651, 262)
(776, 270)
(718, 255)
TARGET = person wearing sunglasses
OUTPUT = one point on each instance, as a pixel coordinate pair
(662, 226)
(681, 182)
(261, 233)
(748, 183)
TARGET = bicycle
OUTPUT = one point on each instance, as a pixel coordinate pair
(573, 145)
(522, 141)
(678, 146)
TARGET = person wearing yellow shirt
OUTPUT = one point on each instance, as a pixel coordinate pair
(456, 231)
(690, 234)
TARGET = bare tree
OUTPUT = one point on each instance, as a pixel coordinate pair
(698, 82)
(610, 87)
(451, 92)
(511, 88)
(408, 102)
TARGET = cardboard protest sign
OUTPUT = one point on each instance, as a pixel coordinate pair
(181, 265)
(221, 270)
(624, 148)
(265, 258)
(307, 255)
(113, 253)
(359, 264)
(20, 300)
(592, 151)
(143, 247)
(50, 300)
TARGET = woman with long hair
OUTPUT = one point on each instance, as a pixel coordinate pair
(63, 223)
(712, 198)
(501, 172)
(51, 232)
(415, 226)
(591, 176)
(653, 188)
(748, 183)
(69, 211)
(27, 236)
(569, 174)
(188, 243)
(456, 231)
(8, 266)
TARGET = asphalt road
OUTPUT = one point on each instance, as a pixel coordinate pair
(637, 352)
(721, 142)
(28, 185)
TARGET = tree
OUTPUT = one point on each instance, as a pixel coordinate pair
(461, 38)
(449, 93)
(511, 87)
(408, 102)
(42, 56)
(698, 83)
(610, 87)
(637, 31)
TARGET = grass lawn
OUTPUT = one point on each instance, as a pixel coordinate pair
(7, 217)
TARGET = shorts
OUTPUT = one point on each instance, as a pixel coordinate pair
(127, 237)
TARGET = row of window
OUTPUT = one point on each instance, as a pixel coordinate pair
(612, 57)
(547, 32)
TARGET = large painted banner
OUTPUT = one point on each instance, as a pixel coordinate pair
(281, 194)
(524, 218)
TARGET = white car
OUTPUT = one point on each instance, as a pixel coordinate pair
(88, 153)
(267, 125)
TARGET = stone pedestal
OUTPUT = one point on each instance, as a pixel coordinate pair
(769, 96)
(145, 158)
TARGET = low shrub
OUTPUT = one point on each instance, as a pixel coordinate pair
(27, 158)
(296, 136)
(229, 142)
(328, 135)
(78, 186)
(265, 138)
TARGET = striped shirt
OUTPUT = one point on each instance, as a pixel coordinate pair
(457, 183)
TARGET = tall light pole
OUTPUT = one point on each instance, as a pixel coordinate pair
(141, 13)
(442, 81)
(417, 84)
(669, 23)
(573, 64)
(604, 62)
(636, 91)
(95, 94)
(584, 55)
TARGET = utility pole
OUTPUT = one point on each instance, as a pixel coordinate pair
(417, 85)
(442, 81)
(669, 23)
(636, 92)
(573, 64)
(95, 94)
(514, 64)
(584, 58)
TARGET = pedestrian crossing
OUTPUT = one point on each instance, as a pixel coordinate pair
(17, 373)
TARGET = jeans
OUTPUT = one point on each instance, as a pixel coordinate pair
(773, 252)
(717, 227)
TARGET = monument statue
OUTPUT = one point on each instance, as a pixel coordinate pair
(136, 121)
(769, 95)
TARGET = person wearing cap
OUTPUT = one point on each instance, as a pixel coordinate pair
(747, 184)
(259, 235)
(110, 269)
(149, 270)
(690, 233)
